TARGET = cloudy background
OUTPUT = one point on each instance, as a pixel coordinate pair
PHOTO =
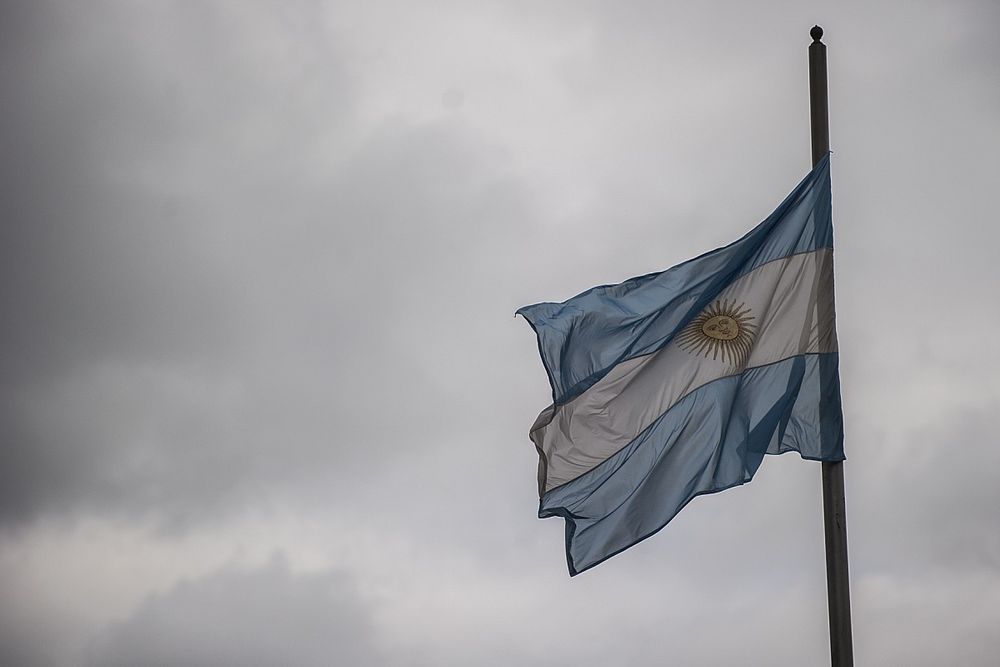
(263, 399)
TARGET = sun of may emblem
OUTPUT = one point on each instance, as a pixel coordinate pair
(721, 331)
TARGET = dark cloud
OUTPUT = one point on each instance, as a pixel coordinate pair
(206, 302)
(267, 616)
(26, 644)
(108, 271)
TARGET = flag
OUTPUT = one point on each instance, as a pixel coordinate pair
(676, 384)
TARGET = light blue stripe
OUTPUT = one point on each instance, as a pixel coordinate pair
(712, 439)
(582, 339)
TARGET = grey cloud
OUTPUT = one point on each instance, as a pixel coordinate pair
(229, 283)
(939, 512)
(268, 616)
(205, 301)
(121, 143)
(26, 644)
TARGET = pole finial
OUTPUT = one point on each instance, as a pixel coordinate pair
(816, 33)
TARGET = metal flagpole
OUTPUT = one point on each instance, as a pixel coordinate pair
(834, 509)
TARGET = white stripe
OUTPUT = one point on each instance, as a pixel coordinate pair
(787, 298)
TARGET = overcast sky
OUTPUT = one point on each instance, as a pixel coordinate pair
(264, 400)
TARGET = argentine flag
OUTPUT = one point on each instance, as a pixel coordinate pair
(676, 384)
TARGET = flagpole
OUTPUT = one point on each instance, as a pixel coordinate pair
(834, 507)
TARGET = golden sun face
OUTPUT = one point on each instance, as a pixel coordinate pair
(723, 331)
